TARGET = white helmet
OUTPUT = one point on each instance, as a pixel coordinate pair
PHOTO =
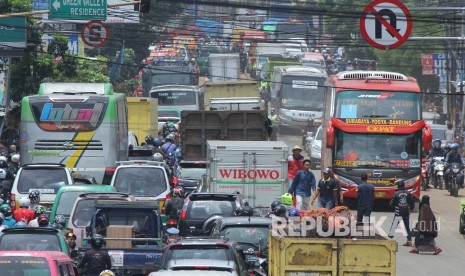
(158, 157)
(4, 158)
(24, 202)
(15, 158)
(107, 273)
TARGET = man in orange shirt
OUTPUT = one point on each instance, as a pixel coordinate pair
(294, 164)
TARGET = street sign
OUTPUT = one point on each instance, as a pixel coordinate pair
(78, 9)
(386, 24)
(13, 32)
(95, 33)
(427, 64)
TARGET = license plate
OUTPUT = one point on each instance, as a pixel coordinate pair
(380, 194)
(251, 257)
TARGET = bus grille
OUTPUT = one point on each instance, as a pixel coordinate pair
(68, 145)
(353, 75)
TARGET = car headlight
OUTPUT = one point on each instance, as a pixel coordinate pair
(456, 170)
(345, 180)
(410, 181)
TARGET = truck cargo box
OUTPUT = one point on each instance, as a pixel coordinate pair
(331, 256)
(229, 89)
(199, 126)
(143, 117)
(224, 67)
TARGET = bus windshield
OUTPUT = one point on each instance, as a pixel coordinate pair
(378, 104)
(386, 150)
(303, 92)
(175, 98)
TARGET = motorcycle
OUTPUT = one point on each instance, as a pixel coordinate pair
(424, 175)
(438, 172)
(453, 186)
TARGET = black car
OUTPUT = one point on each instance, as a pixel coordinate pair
(140, 153)
(200, 210)
(250, 233)
(189, 174)
(212, 254)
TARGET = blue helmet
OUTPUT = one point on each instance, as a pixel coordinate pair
(454, 146)
(293, 212)
(156, 142)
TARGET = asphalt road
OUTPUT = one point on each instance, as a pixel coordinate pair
(446, 209)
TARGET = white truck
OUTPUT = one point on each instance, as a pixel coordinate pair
(256, 169)
(224, 67)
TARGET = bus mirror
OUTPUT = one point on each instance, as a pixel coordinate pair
(427, 138)
(330, 136)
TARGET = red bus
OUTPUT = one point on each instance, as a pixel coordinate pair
(374, 126)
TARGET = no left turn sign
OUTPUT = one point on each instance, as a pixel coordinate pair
(95, 33)
(386, 24)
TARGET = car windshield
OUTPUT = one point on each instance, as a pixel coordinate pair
(83, 213)
(439, 133)
(256, 235)
(144, 182)
(66, 202)
(204, 209)
(168, 113)
(198, 252)
(24, 265)
(192, 173)
(47, 181)
(30, 242)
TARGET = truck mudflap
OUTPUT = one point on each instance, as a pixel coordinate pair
(134, 261)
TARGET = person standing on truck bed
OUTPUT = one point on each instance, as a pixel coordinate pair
(401, 201)
(294, 163)
(366, 198)
(96, 260)
(303, 185)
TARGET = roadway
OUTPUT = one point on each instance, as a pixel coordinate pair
(446, 209)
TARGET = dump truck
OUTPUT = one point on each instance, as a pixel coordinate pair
(143, 117)
(229, 89)
(199, 126)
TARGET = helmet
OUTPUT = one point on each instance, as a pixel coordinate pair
(286, 199)
(274, 204)
(3, 158)
(447, 147)
(3, 164)
(20, 224)
(24, 202)
(178, 191)
(454, 146)
(156, 142)
(107, 273)
(149, 139)
(96, 241)
(170, 137)
(70, 235)
(158, 157)
(437, 143)
(5, 210)
(34, 196)
(60, 219)
(15, 158)
(293, 212)
(280, 210)
(43, 221)
(244, 211)
(40, 210)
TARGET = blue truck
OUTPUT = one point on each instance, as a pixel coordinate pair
(133, 232)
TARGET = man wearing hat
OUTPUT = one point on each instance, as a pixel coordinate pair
(366, 198)
(294, 163)
(171, 234)
(326, 191)
(401, 201)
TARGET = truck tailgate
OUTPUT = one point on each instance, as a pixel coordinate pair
(134, 258)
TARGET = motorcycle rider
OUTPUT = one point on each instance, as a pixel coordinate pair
(34, 197)
(39, 211)
(453, 157)
(96, 259)
(6, 173)
(8, 219)
(13, 166)
(436, 151)
(149, 141)
(274, 204)
(24, 213)
(169, 147)
(169, 127)
(174, 204)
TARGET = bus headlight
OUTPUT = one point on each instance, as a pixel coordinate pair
(345, 181)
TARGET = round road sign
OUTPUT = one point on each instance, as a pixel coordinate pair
(386, 24)
(95, 33)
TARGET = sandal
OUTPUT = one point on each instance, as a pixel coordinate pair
(437, 251)
(414, 250)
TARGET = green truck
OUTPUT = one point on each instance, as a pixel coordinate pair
(267, 72)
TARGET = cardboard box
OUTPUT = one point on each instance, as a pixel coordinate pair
(119, 231)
